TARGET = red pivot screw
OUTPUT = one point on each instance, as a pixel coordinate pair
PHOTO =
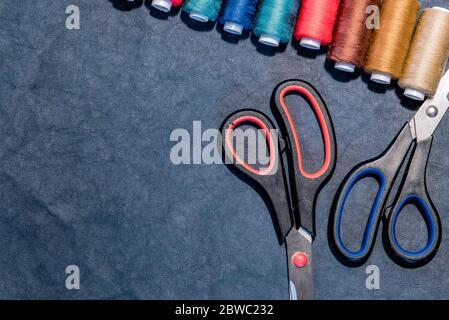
(300, 260)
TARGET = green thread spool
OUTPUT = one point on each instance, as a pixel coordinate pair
(275, 21)
(203, 10)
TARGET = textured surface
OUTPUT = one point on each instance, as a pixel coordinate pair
(86, 176)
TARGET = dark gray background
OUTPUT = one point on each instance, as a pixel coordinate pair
(86, 178)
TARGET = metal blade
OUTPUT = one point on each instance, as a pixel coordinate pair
(429, 116)
(300, 278)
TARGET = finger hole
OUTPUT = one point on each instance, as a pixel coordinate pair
(308, 130)
(319, 120)
(414, 229)
(252, 145)
(364, 188)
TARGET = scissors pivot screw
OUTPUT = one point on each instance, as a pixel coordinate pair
(300, 259)
(432, 111)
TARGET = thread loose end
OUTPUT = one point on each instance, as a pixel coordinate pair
(162, 5)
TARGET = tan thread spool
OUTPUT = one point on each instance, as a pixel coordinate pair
(391, 41)
(428, 55)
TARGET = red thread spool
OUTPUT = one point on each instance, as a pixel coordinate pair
(315, 23)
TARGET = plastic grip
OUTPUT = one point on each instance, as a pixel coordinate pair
(272, 149)
(430, 222)
(270, 181)
(376, 212)
(306, 185)
(413, 191)
(320, 110)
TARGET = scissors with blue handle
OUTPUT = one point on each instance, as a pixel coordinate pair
(414, 141)
(290, 191)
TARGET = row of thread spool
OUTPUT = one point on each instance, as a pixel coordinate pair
(404, 45)
(407, 46)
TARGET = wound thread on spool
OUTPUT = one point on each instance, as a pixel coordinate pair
(202, 10)
(391, 42)
(428, 55)
(165, 5)
(351, 37)
(315, 23)
(238, 15)
(275, 21)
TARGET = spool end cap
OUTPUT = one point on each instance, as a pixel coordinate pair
(441, 8)
(310, 43)
(198, 17)
(414, 94)
(381, 78)
(343, 66)
(233, 27)
(269, 40)
(162, 5)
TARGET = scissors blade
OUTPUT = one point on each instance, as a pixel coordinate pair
(429, 116)
(299, 255)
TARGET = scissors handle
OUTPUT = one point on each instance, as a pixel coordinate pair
(384, 170)
(413, 191)
(306, 184)
(270, 181)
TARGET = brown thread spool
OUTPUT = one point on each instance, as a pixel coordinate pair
(428, 55)
(391, 41)
(351, 40)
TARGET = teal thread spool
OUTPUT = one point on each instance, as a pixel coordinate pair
(275, 21)
(203, 10)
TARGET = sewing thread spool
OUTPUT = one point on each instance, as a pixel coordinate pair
(315, 23)
(165, 5)
(351, 38)
(275, 21)
(202, 10)
(428, 55)
(238, 15)
(391, 42)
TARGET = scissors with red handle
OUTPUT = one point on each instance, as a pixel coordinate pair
(291, 198)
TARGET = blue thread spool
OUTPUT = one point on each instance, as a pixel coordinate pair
(238, 15)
